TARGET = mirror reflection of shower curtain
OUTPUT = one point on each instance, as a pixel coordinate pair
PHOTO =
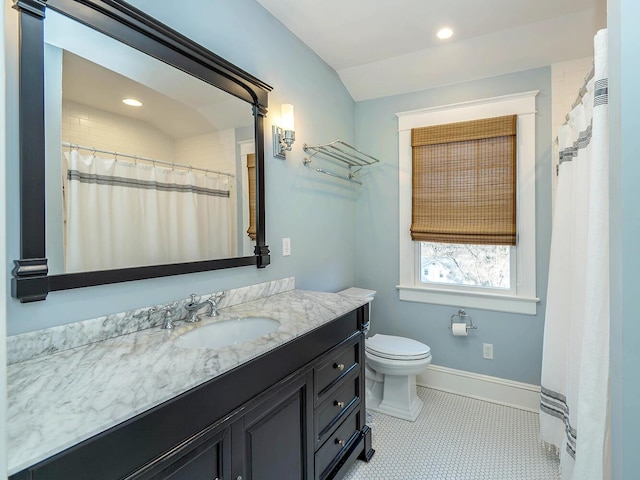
(124, 214)
(575, 362)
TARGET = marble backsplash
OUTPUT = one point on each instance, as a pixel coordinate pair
(56, 339)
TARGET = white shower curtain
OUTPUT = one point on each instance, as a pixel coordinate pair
(122, 214)
(575, 366)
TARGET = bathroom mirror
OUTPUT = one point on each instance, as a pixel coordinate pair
(112, 192)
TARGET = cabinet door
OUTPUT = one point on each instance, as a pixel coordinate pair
(206, 456)
(275, 435)
(203, 463)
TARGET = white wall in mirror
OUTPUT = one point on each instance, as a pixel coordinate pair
(85, 125)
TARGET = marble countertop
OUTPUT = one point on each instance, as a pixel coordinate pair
(59, 400)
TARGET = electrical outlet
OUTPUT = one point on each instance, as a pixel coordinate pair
(487, 351)
(286, 247)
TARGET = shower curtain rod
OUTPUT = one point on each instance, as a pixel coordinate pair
(145, 159)
(581, 92)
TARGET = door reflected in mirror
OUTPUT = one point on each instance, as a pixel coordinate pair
(159, 182)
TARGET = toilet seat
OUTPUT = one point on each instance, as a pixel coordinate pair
(396, 348)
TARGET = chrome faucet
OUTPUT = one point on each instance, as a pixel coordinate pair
(194, 306)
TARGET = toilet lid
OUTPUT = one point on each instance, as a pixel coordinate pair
(389, 346)
(359, 292)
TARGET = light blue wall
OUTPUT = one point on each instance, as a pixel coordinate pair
(517, 339)
(624, 97)
(317, 215)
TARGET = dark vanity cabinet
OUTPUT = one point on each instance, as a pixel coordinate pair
(262, 440)
(208, 456)
(272, 437)
(295, 413)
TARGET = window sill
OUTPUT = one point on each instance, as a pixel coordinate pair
(522, 305)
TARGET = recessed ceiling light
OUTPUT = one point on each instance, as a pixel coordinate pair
(445, 33)
(132, 102)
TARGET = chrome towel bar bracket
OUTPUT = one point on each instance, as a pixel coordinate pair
(344, 155)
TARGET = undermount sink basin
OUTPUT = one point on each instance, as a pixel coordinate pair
(227, 332)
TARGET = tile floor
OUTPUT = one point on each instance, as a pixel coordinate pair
(457, 438)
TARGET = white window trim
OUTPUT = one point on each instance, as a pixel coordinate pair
(524, 300)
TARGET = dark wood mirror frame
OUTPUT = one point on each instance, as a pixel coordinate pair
(133, 27)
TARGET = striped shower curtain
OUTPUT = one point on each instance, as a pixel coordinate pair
(123, 214)
(575, 367)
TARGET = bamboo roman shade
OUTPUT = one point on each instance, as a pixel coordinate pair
(464, 182)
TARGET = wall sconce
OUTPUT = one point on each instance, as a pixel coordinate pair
(284, 135)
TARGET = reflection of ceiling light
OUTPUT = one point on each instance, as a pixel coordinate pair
(445, 33)
(132, 102)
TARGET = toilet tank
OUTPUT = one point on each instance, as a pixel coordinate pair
(362, 293)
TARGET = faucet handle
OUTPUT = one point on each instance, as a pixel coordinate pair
(193, 298)
(167, 309)
(167, 321)
(216, 297)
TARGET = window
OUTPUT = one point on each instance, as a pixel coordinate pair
(482, 266)
(434, 268)
(464, 202)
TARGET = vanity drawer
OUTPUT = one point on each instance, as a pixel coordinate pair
(335, 406)
(335, 366)
(337, 444)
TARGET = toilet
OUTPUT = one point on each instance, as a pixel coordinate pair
(392, 364)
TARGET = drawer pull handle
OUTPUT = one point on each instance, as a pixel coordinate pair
(339, 404)
(340, 442)
(339, 366)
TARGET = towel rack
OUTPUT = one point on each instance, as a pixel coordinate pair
(347, 156)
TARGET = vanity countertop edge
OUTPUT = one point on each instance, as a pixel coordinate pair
(59, 400)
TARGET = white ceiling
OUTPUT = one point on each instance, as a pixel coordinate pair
(381, 48)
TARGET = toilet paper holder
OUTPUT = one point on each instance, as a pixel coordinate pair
(463, 317)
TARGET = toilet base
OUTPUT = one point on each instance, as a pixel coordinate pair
(395, 396)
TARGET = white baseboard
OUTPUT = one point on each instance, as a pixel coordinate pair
(483, 387)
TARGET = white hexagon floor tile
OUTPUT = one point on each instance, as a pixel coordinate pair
(457, 438)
